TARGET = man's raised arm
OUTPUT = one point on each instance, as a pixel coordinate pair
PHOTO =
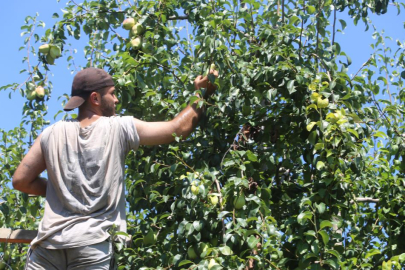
(155, 133)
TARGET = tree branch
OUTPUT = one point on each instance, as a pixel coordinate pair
(302, 28)
(282, 10)
(220, 202)
(334, 26)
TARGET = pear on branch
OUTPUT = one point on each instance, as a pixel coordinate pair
(31, 95)
(40, 92)
(55, 51)
(50, 60)
(127, 24)
(136, 43)
(239, 201)
(137, 29)
(44, 49)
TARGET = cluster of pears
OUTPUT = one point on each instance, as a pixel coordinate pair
(136, 30)
(195, 189)
(35, 92)
(202, 253)
(320, 100)
(51, 51)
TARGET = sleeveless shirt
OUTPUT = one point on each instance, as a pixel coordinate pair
(85, 193)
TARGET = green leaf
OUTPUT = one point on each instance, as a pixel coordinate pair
(193, 99)
(325, 237)
(184, 262)
(334, 253)
(343, 23)
(372, 252)
(293, 20)
(332, 263)
(226, 250)
(121, 233)
(387, 265)
(310, 126)
(311, 233)
(355, 117)
(403, 74)
(312, 137)
(302, 217)
(290, 87)
(251, 156)
(352, 131)
(319, 146)
(326, 223)
(321, 208)
(380, 134)
(229, 163)
(312, 106)
(315, 247)
(252, 241)
(320, 165)
(197, 225)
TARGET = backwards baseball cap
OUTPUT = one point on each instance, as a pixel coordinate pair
(86, 81)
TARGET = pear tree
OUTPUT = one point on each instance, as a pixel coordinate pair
(297, 163)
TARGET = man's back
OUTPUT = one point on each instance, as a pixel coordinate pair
(85, 192)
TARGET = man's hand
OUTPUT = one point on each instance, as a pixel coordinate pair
(204, 82)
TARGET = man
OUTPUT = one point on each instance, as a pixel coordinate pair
(84, 159)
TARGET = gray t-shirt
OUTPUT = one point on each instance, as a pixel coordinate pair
(85, 194)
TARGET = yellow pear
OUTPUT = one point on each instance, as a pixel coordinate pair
(40, 92)
(137, 29)
(44, 48)
(322, 103)
(55, 51)
(31, 95)
(194, 188)
(127, 24)
(136, 43)
(49, 59)
(213, 199)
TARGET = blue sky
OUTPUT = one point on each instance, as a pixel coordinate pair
(355, 42)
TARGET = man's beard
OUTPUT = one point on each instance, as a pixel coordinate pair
(106, 109)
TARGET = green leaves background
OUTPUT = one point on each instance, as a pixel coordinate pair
(315, 152)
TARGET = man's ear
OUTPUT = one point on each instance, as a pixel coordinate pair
(95, 98)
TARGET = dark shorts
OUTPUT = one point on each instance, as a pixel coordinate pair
(94, 257)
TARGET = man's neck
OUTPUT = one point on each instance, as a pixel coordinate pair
(87, 117)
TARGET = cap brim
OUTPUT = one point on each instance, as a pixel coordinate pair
(73, 103)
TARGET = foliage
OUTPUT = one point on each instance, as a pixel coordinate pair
(318, 155)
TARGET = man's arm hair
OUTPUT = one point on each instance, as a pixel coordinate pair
(26, 178)
(155, 133)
